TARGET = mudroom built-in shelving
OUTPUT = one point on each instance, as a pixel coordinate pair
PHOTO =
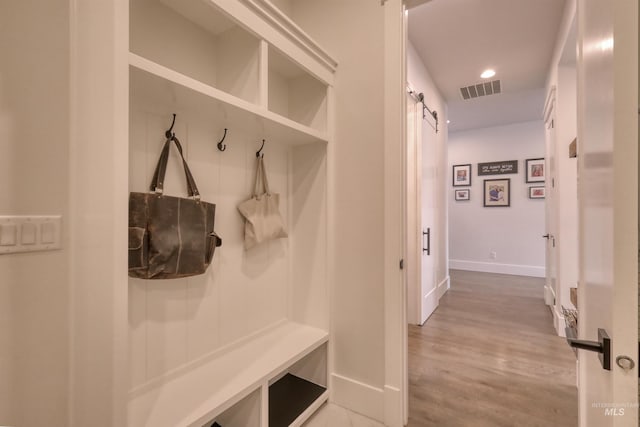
(229, 345)
(295, 94)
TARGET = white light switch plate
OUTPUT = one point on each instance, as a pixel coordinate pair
(8, 235)
(41, 233)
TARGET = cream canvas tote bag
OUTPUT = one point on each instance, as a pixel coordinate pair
(261, 212)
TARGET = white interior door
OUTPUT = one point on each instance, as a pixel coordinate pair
(420, 167)
(427, 155)
(608, 207)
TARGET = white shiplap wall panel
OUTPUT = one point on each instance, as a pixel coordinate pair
(175, 322)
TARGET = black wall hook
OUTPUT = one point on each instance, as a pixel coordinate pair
(169, 133)
(259, 152)
(222, 147)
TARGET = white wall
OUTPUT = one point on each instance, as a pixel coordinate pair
(435, 169)
(34, 134)
(355, 38)
(514, 233)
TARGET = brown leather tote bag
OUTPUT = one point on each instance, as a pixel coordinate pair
(170, 237)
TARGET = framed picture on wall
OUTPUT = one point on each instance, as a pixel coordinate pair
(537, 192)
(497, 193)
(463, 195)
(535, 170)
(461, 175)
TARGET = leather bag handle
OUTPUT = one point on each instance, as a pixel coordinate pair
(157, 182)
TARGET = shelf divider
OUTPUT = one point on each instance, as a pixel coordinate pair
(263, 75)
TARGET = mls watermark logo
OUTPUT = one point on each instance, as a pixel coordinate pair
(614, 409)
(614, 412)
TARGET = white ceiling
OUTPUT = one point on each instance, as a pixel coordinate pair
(458, 39)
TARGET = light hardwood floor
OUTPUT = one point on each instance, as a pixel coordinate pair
(489, 356)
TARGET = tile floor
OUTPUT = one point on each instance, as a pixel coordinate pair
(330, 415)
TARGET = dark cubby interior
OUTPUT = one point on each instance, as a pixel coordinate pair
(289, 397)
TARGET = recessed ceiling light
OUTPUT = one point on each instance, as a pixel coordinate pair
(487, 74)
(448, 121)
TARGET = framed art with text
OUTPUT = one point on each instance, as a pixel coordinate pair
(498, 168)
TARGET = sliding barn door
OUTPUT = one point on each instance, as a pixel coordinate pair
(420, 166)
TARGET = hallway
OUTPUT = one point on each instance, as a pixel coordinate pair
(488, 356)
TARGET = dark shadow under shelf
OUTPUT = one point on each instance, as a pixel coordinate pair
(289, 397)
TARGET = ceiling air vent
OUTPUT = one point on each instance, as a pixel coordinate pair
(480, 89)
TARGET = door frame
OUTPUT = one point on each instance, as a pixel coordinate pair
(98, 212)
(551, 223)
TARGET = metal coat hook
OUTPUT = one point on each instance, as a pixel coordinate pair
(169, 133)
(258, 153)
(222, 147)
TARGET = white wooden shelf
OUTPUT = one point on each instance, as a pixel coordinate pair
(198, 395)
(163, 86)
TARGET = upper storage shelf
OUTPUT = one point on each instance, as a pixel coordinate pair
(195, 55)
(195, 39)
(164, 89)
(294, 93)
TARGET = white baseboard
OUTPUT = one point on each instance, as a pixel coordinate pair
(493, 267)
(393, 407)
(444, 286)
(360, 397)
(431, 299)
(558, 322)
(549, 296)
(429, 304)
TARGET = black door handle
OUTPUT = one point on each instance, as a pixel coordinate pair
(428, 248)
(546, 236)
(602, 346)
